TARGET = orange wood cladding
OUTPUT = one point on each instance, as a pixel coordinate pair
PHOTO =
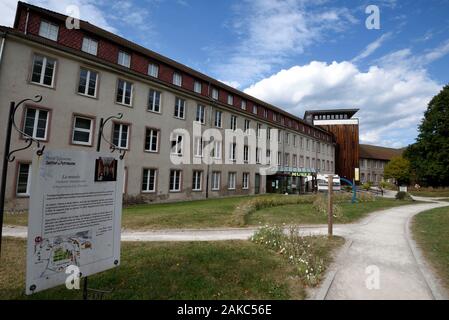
(347, 150)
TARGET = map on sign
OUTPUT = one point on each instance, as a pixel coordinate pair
(60, 252)
(75, 216)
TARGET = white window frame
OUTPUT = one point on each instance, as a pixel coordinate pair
(215, 94)
(176, 178)
(216, 180)
(36, 119)
(153, 70)
(254, 109)
(181, 106)
(233, 151)
(258, 155)
(230, 99)
(199, 147)
(216, 151)
(148, 180)
(90, 46)
(125, 85)
(152, 135)
(246, 154)
(218, 119)
(119, 146)
(179, 145)
(88, 78)
(197, 86)
(90, 130)
(42, 75)
(27, 193)
(247, 126)
(232, 181)
(245, 181)
(243, 105)
(124, 59)
(151, 108)
(200, 115)
(49, 33)
(177, 79)
(233, 122)
(197, 180)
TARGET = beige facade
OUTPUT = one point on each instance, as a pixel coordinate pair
(372, 170)
(62, 102)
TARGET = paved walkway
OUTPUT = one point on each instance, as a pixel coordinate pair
(381, 242)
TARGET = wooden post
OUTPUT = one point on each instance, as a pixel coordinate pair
(330, 214)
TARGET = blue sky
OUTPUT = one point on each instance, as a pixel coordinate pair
(297, 54)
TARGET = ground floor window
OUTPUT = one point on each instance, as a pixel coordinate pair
(149, 180)
(245, 182)
(196, 180)
(24, 179)
(231, 180)
(175, 180)
(216, 177)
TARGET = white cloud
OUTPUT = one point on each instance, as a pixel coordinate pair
(372, 47)
(391, 99)
(269, 32)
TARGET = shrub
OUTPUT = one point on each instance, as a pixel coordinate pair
(299, 251)
(401, 195)
(367, 186)
(321, 205)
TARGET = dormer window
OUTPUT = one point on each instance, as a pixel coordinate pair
(243, 105)
(49, 30)
(90, 46)
(230, 99)
(197, 87)
(254, 109)
(153, 70)
(215, 94)
(177, 79)
(124, 59)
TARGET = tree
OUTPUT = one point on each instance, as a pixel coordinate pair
(429, 156)
(399, 169)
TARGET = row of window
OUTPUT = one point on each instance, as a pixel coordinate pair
(150, 180)
(124, 93)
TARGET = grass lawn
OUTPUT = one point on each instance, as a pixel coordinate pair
(219, 213)
(306, 214)
(192, 270)
(431, 231)
(434, 193)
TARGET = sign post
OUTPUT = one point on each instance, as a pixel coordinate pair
(74, 217)
(330, 214)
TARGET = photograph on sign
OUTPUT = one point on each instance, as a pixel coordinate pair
(75, 216)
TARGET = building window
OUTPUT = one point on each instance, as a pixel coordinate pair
(197, 180)
(287, 160)
(295, 141)
(177, 79)
(36, 123)
(295, 161)
(151, 140)
(23, 179)
(154, 101)
(233, 122)
(218, 118)
(82, 130)
(268, 156)
(231, 180)
(232, 151)
(120, 136)
(49, 30)
(245, 182)
(301, 161)
(245, 153)
(149, 180)
(214, 94)
(254, 109)
(199, 146)
(90, 46)
(243, 105)
(246, 126)
(275, 116)
(124, 92)
(43, 70)
(180, 105)
(279, 136)
(230, 99)
(216, 151)
(88, 83)
(177, 144)
(153, 70)
(175, 180)
(269, 133)
(259, 128)
(124, 59)
(216, 177)
(287, 138)
(279, 159)
(258, 155)
(200, 114)
(197, 87)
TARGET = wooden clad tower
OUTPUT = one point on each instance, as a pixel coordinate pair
(345, 128)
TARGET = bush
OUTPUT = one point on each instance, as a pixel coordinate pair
(367, 186)
(401, 195)
(321, 203)
(299, 251)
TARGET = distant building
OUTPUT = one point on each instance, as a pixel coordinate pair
(373, 160)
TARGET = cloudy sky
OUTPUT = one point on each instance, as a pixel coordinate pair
(297, 54)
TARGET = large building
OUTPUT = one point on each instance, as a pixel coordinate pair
(373, 160)
(85, 74)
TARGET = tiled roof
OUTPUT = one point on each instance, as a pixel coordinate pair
(380, 153)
